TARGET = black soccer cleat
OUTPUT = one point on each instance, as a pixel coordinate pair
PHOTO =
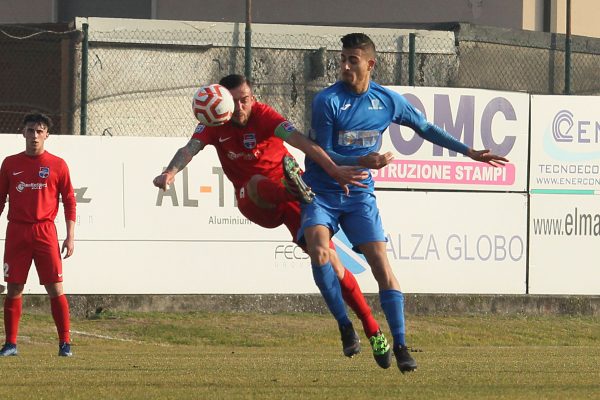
(350, 340)
(64, 350)
(404, 360)
(9, 349)
(294, 182)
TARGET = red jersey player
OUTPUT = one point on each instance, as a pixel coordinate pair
(250, 148)
(33, 181)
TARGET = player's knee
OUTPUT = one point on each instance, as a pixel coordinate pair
(319, 255)
(252, 187)
(14, 290)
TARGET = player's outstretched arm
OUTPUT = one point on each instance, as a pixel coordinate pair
(487, 157)
(182, 157)
(343, 175)
(439, 136)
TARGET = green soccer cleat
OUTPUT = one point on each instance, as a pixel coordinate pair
(294, 182)
(381, 350)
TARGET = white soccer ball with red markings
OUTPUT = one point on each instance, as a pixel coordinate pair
(212, 105)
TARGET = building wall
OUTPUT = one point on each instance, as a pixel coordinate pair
(27, 11)
(511, 14)
(584, 17)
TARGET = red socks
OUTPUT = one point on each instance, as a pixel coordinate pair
(356, 301)
(273, 192)
(12, 315)
(60, 312)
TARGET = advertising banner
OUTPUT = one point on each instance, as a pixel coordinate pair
(482, 119)
(132, 238)
(565, 145)
(442, 242)
(564, 255)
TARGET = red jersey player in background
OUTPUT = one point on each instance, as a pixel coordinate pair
(251, 150)
(33, 181)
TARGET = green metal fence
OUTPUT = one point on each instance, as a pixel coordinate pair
(140, 82)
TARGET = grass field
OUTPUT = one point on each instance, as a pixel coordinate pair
(298, 356)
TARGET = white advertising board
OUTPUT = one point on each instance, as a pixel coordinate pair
(565, 144)
(442, 242)
(483, 119)
(131, 238)
(564, 248)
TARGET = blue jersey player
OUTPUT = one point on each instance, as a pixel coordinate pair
(348, 119)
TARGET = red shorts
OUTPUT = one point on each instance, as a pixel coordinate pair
(285, 213)
(32, 242)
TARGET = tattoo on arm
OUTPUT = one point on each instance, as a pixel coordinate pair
(185, 154)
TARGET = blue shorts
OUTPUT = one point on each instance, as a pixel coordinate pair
(357, 214)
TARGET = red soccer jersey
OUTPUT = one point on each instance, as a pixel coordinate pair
(33, 184)
(249, 150)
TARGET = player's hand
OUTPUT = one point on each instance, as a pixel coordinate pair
(487, 157)
(164, 180)
(376, 160)
(68, 247)
(350, 175)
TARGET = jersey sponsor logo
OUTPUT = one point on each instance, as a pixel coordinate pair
(221, 139)
(33, 186)
(44, 172)
(346, 106)
(17, 173)
(358, 138)
(243, 155)
(250, 140)
(375, 105)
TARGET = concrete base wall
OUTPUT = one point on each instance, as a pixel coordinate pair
(416, 304)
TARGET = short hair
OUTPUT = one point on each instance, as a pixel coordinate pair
(234, 80)
(358, 41)
(38, 118)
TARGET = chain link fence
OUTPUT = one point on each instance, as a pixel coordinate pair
(140, 81)
(38, 72)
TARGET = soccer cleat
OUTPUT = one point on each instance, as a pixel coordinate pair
(64, 350)
(350, 340)
(381, 350)
(405, 362)
(9, 349)
(294, 182)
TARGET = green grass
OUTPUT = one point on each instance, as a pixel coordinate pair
(298, 356)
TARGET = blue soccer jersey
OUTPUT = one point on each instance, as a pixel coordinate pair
(348, 125)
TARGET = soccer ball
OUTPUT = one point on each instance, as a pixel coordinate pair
(212, 105)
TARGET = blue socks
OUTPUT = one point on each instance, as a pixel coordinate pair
(329, 285)
(392, 303)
